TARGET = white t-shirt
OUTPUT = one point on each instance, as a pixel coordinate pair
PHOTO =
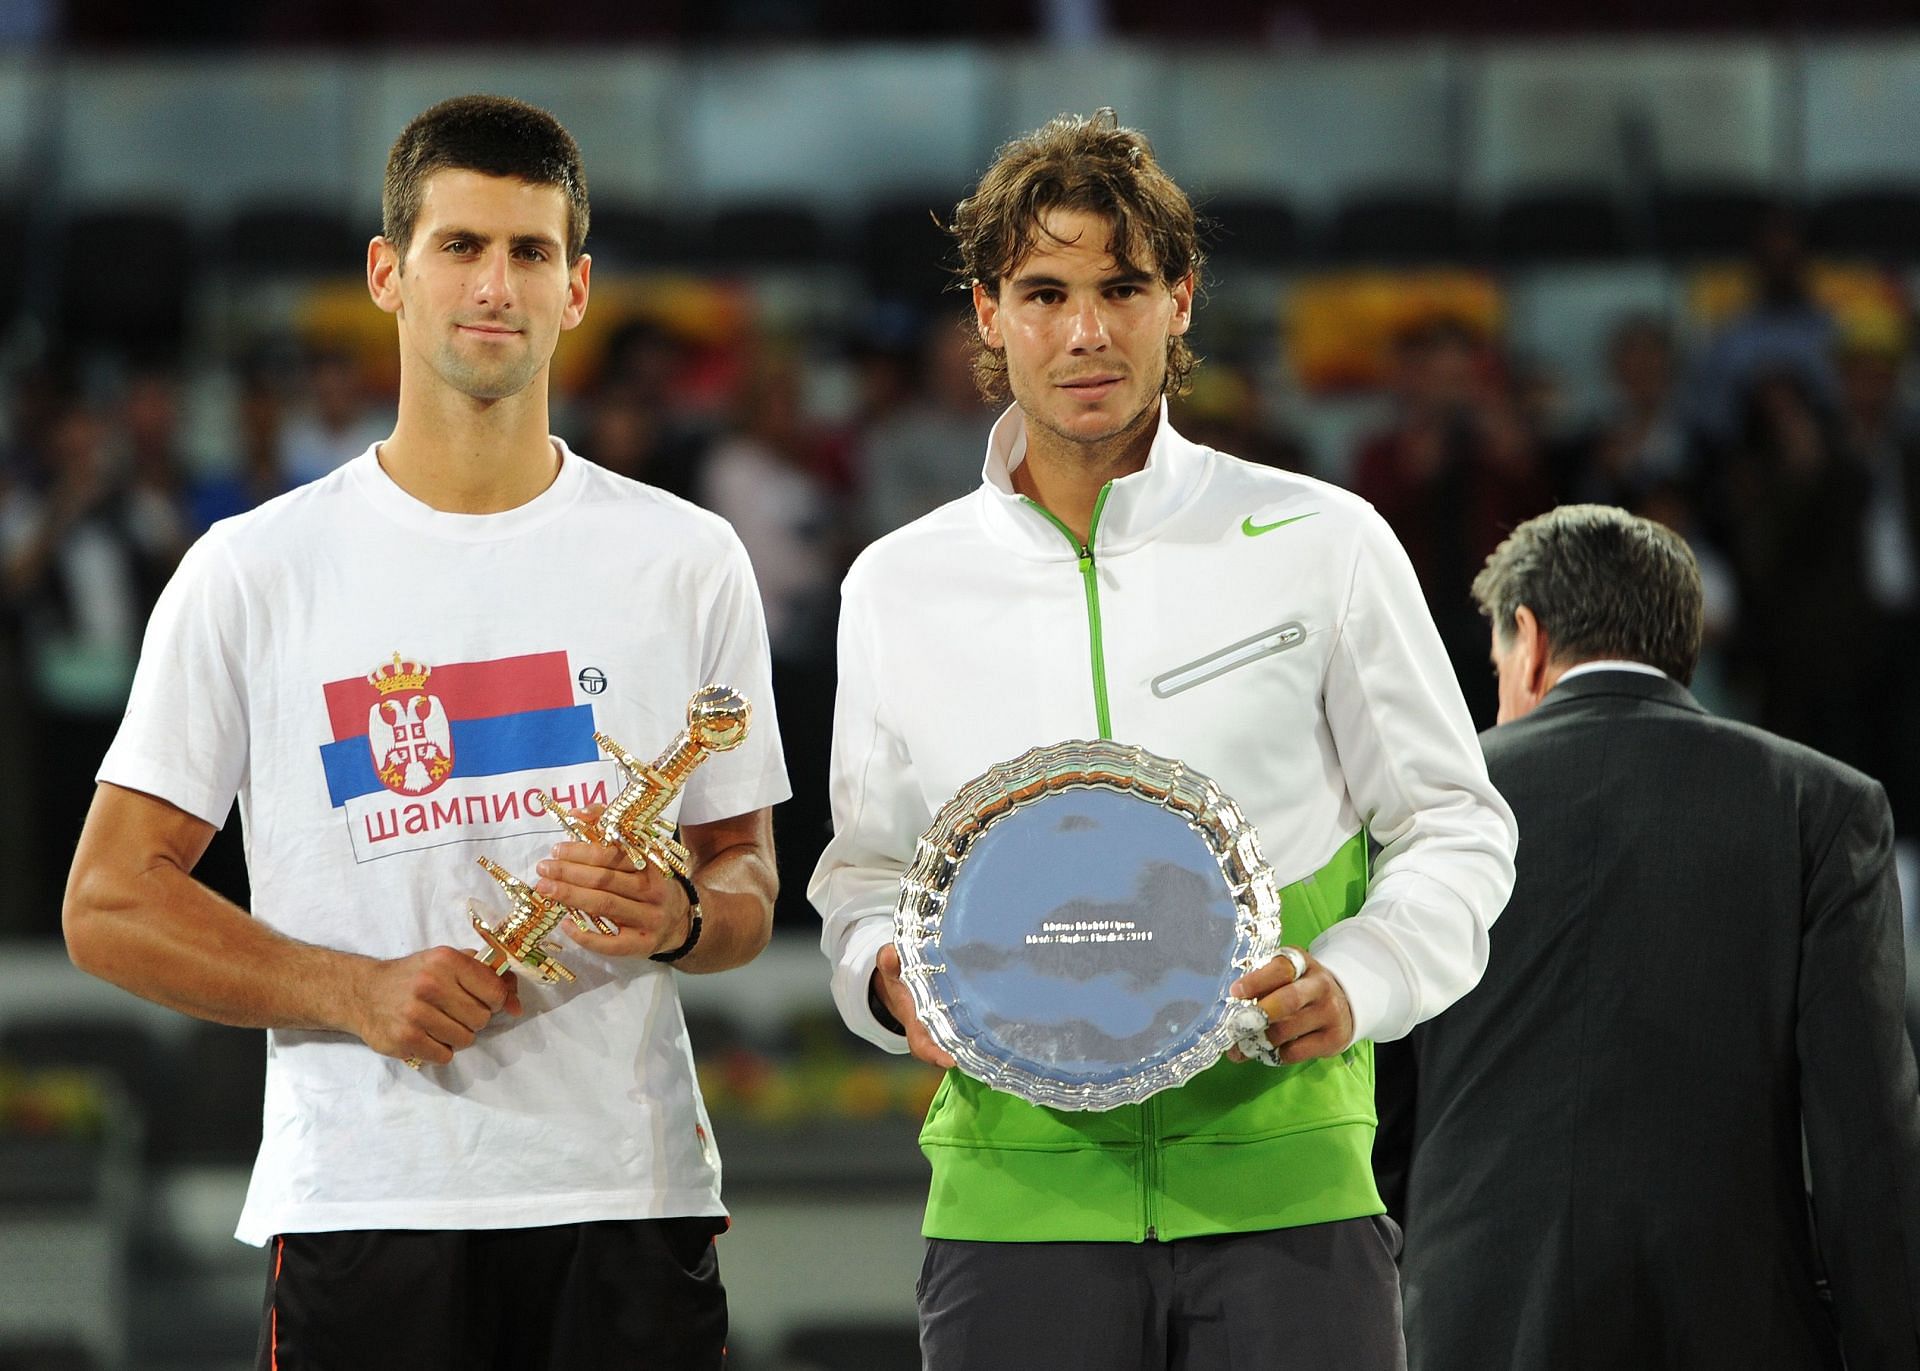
(601, 604)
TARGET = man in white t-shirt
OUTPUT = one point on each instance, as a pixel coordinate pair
(384, 667)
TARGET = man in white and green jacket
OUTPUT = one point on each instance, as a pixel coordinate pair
(1110, 578)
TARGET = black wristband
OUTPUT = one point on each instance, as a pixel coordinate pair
(878, 1007)
(693, 923)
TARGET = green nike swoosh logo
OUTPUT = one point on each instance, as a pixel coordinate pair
(1253, 530)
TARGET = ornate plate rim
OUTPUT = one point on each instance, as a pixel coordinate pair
(1086, 764)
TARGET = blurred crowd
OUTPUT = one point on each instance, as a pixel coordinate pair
(1781, 445)
(1783, 448)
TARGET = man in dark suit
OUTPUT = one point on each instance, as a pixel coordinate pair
(1676, 1125)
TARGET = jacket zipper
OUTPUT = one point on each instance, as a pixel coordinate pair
(1090, 582)
(1150, 1164)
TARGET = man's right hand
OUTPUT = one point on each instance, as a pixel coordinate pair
(429, 1005)
(898, 999)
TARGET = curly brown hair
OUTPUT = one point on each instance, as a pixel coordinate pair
(1093, 165)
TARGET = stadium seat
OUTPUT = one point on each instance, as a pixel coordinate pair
(18, 249)
(127, 275)
(285, 239)
(628, 237)
(1252, 231)
(1399, 228)
(1561, 225)
(903, 252)
(763, 235)
(117, 1048)
(209, 1114)
(1882, 223)
(1709, 220)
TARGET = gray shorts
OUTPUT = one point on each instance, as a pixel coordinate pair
(1326, 1295)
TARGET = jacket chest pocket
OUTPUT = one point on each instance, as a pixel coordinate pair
(1259, 646)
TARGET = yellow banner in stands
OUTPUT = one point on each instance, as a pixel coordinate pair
(701, 313)
(1868, 303)
(1341, 328)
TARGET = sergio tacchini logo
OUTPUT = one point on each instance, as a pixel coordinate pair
(1253, 530)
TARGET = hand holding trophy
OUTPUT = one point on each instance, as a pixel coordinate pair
(717, 720)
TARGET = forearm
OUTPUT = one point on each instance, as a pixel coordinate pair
(158, 932)
(737, 886)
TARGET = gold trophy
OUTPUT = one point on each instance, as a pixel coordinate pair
(717, 721)
(521, 936)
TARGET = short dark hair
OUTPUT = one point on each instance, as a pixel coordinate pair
(490, 134)
(1603, 583)
(1090, 164)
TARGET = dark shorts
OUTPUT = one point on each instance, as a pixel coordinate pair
(641, 1293)
(1322, 1296)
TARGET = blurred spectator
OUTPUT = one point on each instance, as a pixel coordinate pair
(929, 450)
(623, 435)
(1641, 454)
(84, 559)
(1783, 331)
(765, 479)
(1881, 439)
(1224, 412)
(1799, 507)
(340, 421)
(886, 351)
(1641, 441)
(38, 395)
(156, 470)
(634, 424)
(260, 472)
(1539, 400)
(1453, 475)
(1674, 504)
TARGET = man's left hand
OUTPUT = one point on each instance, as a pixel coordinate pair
(1309, 1017)
(648, 907)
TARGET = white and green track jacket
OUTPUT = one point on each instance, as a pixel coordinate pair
(1263, 627)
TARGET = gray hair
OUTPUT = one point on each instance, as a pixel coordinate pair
(1603, 583)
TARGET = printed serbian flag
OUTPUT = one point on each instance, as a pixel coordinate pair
(428, 754)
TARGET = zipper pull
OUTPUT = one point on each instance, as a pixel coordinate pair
(1086, 559)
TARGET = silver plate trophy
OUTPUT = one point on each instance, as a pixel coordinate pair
(1073, 918)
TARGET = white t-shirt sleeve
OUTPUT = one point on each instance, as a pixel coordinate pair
(754, 774)
(1415, 772)
(185, 736)
(878, 815)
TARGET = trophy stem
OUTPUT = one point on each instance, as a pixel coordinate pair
(678, 762)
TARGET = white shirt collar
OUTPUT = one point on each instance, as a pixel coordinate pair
(1612, 664)
(1136, 506)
